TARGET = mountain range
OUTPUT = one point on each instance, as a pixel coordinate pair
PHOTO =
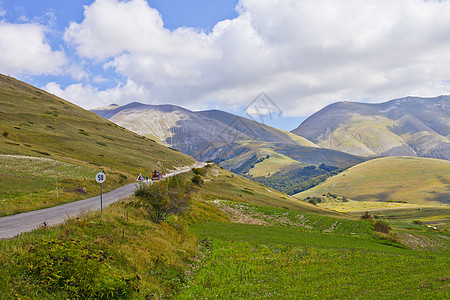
(233, 141)
(410, 126)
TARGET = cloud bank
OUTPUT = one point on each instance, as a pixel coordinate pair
(304, 54)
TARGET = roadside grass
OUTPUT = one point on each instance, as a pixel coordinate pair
(31, 183)
(149, 258)
(252, 261)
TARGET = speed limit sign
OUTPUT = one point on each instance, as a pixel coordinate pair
(100, 177)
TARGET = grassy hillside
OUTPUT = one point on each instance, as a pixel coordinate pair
(221, 184)
(34, 123)
(412, 180)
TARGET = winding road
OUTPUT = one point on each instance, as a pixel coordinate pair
(11, 226)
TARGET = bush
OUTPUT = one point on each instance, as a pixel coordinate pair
(199, 171)
(168, 197)
(68, 266)
(366, 216)
(381, 226)
(315, 200)
(197, 179)
(5, 134)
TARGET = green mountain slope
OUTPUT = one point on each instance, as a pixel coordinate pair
(412, 180)
(50, 150)
(221, 184)
(36, 123)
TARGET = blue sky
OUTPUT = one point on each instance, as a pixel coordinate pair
(204, 54)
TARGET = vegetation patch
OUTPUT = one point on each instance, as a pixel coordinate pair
(300, 179)
(68, 266)
(169, 197)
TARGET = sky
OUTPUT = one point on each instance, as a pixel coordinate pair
(277, 61)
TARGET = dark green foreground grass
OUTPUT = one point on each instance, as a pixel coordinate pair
(252, 261)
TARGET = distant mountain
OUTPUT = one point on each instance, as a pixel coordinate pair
(194, 132)
(409, 126)
(231, 140)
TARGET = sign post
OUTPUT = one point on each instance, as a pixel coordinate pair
(100, 178)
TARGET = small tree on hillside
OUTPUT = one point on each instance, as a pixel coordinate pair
(366, 216)
(197, 179)
(168, 197)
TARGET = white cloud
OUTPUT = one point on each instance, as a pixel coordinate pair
(303, 53)
(89, 97)
(24, 50)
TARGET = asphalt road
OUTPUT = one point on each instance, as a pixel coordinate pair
(11, 226)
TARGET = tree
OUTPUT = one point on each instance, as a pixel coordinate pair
(197, 179)
(168, 197)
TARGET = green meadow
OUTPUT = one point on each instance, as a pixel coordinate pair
(30, 183)
(249, 262)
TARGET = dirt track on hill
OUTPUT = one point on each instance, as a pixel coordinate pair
(11, 226)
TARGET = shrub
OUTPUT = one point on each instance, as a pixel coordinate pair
(5, 134)
(199, 171)
(168, 197)
(381, 226)
(197, 179)
(68, 266)
(366, 216)
(315, 200)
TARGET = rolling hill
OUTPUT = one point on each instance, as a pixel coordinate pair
(408, 126)
(406, 179)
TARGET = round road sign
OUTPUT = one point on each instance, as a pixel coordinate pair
(100, 177)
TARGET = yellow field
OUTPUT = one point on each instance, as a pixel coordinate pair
(408, 179)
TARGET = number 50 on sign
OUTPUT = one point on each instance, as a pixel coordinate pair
(100, 177)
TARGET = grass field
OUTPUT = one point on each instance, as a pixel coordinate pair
(244, 262)
(30, 183)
